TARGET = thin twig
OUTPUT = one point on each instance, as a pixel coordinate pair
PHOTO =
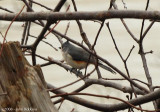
(28, 32)
(24, 32)
(142, 54)
(107, 24)
(5, 36)
(96, 59)
(98, 34)
(28, 25)
(5, 9)
(46, 43)
(51, 29)
(72, 110)
(141, 81)
(130, 52)
(67, 28)
(149, 27)
(149, 52)
(119, 79)
(41, 5)
(124, 23)
(55, 24)
(142, 37)
(83, 34)
(61, 103)
(30, 9)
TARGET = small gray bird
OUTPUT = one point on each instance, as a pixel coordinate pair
(78, 57)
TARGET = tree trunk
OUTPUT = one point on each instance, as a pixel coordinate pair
(22, 86)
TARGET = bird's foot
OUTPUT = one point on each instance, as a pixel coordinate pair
(72, 69)
(77, 71)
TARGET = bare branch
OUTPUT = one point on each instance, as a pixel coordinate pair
(32, 16)
(124, 23)
(83, 34)
(109, 107)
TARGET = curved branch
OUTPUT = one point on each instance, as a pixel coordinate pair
(109, 107)
(111, 84)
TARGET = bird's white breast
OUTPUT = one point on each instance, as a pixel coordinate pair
(71, 62)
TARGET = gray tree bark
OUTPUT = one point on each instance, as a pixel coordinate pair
(22, 86)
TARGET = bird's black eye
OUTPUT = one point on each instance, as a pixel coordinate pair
(60, 47)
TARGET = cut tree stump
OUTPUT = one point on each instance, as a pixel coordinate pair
(22, 86)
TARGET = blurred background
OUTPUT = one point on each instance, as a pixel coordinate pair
(105, 47)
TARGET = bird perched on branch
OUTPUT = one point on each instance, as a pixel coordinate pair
(78, 57)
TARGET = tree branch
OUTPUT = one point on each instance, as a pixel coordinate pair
(97, 15)
(108, 107)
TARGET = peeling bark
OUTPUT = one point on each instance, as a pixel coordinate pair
(23, 84)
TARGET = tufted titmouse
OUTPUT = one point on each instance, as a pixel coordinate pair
(78, 57)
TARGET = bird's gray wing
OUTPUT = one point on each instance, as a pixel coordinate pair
(79, 55)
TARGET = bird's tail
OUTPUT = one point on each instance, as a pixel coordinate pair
(106, 68)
